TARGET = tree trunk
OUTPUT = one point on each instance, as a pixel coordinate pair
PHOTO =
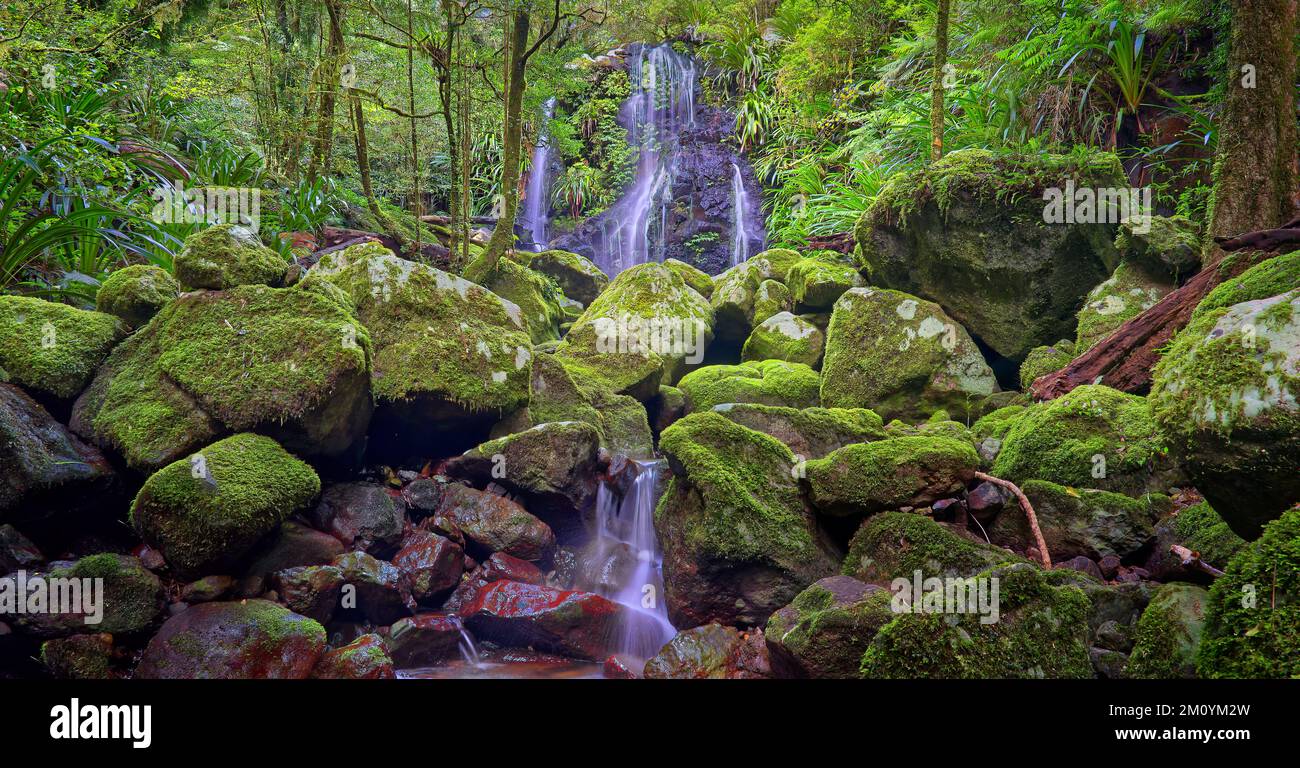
(936, 88)
(323, 148)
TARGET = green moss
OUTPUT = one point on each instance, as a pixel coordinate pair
(1060, 440)
(998, 423)
(768, 382)
(784, 336)
(894, 545)
(132, 596)
(1126, 294)
(1201, 529)
(224, 256)
(580, 279)
(1169, 634)
(1042, 360)
(537, 296)
(809, 432)
(1083, 522)
(211, 508)
(818, 283)
(1253, 623)
(53, 348)
(1268, 278)
(771, 298)
(825, 637)
(136, 293)
(694, 278)
(1172, 245)
(887, 474)
(80, 657)
(779, 261)
(733, 297)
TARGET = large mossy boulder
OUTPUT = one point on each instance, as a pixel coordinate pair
(579, 278)
(810, 432)
(895, 545)
(448, 353)
(694, 278)
(131, 598)
(53, 349)
(900, 356)
(556, 394)
(1127, 293)
(1045, 359)
(1252, 627)
(643, 330)
(1082, 522)
(766, 382)
(1270, 277)
(1041, 631)
(225, 256)
(772, 298)
(134, 294)
(1167, 245)
(1225, 396)
(788, 337)
(815, 283)
(207, 510)
(826, 629)
(234, 641)
(969, 233)
(1093, 437)
(1169, 634)
(733, 297)
(552, 465)
(290, 363)
(738, 541)
(888, 474)
(538, 297)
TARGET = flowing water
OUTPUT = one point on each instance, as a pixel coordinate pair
(468, 650)
(739, 207)
(537, 196)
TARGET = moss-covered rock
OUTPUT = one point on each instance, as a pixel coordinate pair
(644, 330)
(136, 293)
(206, 511)
(999, 422)
(53, 348)
(815, 283)
(767, 382)
(580, 279)
(1041, 632)
(825, 631)
(1200, 529)
(969, 233)
(1046, 359)
(365, 658)
(1268, 278)
(935, 427)
(1123, 296)
(234, 641)
(893, 545)
(538, 297)
(733, 297)
(710, 652)
(1093, 437)
(1169, 634)
(1225, 397)
(899, 356)
(620, 420)
(738, 541)
(1081, 522)
(292, 363)
(1252, 628)
(227, 255)
(694, 278)
(771, 298)
(1170, 246)
(779, 261)
(131, 599)
(810, 432)
(80, 657)
(887, 474)
(788, 337)
(553, 464)
(447, 351)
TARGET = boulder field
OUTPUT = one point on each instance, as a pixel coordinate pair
(373, 467)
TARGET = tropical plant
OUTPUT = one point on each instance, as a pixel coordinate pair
(577, 187)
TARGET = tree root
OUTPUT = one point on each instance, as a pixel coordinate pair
(1192, 559)
(1029, 513)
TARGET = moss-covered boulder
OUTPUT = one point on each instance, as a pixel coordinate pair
(365, 658)
(779, 261)
(1041, 631)
(131, 599)
(136, 293)
(643, 331)
(1266, 279)
(815, 283)
(448, 353)
(788, 337)
(1081, 522)
(1200, 529)
(539, 299)
(493, 523)
(899, 356)
(887, 474)
(1168, 245)
(768, 382)
(1093, 437)
(1252, 628)
(894, 545)
(810, 432)
(80, 657)
(710, 652)
(1169, 634)
(1127, 293)
(969, 233)
(556, 394)
(694, 278)
(825, 631)
(772, 298)
(733, 297)
(553, 464)
(51, 348)
(1044, 360)
(234, 641)
(579, 278)
(227, 255)
(205, 511)
(291, 363)
(1227, 398)
(998, 423)
(737, 539)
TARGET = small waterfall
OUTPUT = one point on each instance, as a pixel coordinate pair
(537, 196)
(628, 522)
(739, 207)
(468, 651)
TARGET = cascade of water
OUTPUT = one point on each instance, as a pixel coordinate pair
(739, 207)
(629, 522)
(468, 650)
(537, 196)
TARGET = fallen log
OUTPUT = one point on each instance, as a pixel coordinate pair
(1284, 239)
(1192, 559)
(435, 254)
(842, 242)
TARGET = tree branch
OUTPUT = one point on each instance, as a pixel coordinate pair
(1029, 513)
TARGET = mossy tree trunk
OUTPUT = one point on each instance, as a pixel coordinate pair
(937, 87)
(328, 82)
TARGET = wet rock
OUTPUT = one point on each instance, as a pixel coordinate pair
(423, 640)
(310, 590)
(618, 668)
(710, 651)
(1114, 636)
(552, 465)
(423, 495)
(207, 589)
(363, 516)
(1109, 566)
(496, 524)
(53, 349)
(888, 474)
(1081, 564)
(430, 564)
(251, 639)
(809, 432)
(380, 592)
(1082, 522)
(825, 631)
(365, 658)
(985, 501)
(578, 624)
(132, 597)
(292, 545)
(80, 657)
(17, 553)
(1109, 665)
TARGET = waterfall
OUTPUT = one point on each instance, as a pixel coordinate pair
(468, 650)
(628, 523)
(537, 196)
(739, 207)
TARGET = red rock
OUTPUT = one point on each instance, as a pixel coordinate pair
(249, 639)
(424, 639)
(365, 658)
(430, 564)
(495, 523)
(578, 624)
(496, 568)
(617, 668)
